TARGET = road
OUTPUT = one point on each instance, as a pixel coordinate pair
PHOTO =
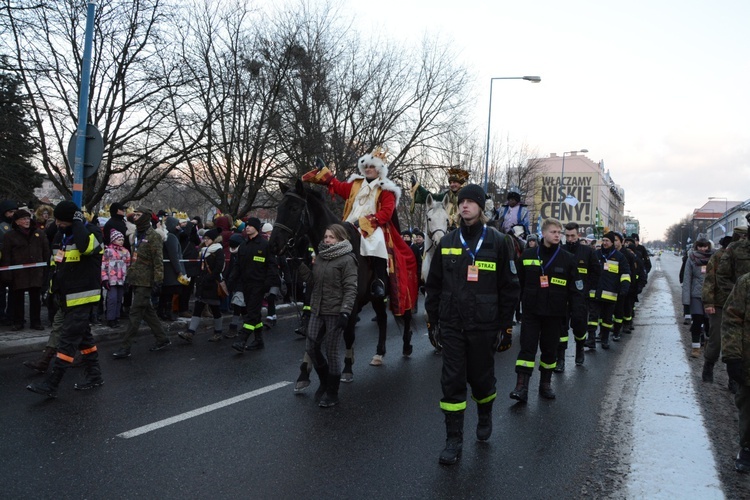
(382, 440)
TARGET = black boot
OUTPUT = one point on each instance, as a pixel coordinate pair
(521, 392)
(257, 343)
(322, 372)
(708, 372)
(605, 338)
(590, 342)
(42, 363)
(580, 353)
(49, 386)
(92, 371)
(331, 397)
(239, 346)
(545, 385)
(347, 374)
(484, 423)
(560, 363)
(454, 429)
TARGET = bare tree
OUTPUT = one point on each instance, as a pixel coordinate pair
(127, 100)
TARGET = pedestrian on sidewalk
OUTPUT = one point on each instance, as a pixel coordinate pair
(25, 244)
(77, 287)
(334, 292)
(692, 290)
(115, 264)
(174, 269)
(145, 276)
(237, 302)
(207, 283)
(471, 294)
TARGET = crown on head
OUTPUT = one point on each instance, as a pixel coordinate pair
(380, 152)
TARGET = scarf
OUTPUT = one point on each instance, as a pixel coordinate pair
(701, 258)
(330, 252)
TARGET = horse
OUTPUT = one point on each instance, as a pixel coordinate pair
(302, 212)
(437, 227)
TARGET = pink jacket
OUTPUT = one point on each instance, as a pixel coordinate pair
(115, 264)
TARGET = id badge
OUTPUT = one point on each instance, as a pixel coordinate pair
(544, 281)
(60, 256)
(472, 274)
(703, 269)
(133, 257)
(606, 266)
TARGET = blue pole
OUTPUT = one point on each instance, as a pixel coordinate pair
(83, 106)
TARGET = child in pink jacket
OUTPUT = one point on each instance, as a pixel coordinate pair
(115, 263)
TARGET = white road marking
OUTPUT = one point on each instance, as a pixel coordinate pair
(200, 411)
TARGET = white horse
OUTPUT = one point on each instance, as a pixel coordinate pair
(437, 227)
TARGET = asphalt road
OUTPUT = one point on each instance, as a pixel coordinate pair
(382, 440)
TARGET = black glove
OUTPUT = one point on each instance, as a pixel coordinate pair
(78, 216)
(156, 289)
(105, 284)
(413, 180)
(356, 223)
(433, 333)
(504, 340)
(319, 163)
(343, 320)
(735, 370)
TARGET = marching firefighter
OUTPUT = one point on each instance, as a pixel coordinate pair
(77, 287)
(471, 290)
(551, 290)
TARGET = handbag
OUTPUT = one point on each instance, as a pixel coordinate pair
(221, 287)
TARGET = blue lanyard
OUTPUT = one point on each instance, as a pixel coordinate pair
(479, 243)
(539, 256)
(606, 257)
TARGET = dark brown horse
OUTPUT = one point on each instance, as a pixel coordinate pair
(303, 213)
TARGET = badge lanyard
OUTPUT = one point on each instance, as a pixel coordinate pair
(543, 279)
(60, 255)
(473, 271)
(606, 258)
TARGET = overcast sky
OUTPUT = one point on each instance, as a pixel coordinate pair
(657, 89)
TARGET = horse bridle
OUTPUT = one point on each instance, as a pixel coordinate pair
(294, 235)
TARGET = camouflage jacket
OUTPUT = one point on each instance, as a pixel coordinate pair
(146, 266)
(735, 325)
(734, 263)
(711, 294)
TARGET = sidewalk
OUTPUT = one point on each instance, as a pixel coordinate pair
(28, 340)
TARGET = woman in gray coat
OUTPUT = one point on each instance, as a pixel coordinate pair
(692, 287)
(334, 282)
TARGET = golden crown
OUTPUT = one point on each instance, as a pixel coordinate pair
(380, 152)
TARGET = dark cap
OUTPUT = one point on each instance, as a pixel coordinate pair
(115, 207)
(472, 192)
(66, 210)
(20, 214)
(254, 222)
(212, 234)
(610, 236)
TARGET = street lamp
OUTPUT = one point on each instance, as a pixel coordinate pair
(533, 79)
(562, 175)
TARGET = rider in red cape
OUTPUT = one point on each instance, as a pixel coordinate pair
(371, 200)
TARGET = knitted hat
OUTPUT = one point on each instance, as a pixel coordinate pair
(66, 210)
(267, 228)
(212, 234)
(115, 207)
(236, 240)
(115, 235)
(254, 222)
(474, 193)
(610, 236)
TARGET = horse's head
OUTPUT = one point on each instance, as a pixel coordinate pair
(437, 219)
(292, 220)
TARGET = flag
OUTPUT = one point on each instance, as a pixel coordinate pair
(539, 226)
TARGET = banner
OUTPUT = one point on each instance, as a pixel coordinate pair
(550, 192)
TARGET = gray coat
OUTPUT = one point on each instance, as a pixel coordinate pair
(692, 283)
(334, 285)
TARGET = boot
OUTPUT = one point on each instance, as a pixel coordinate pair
(708, 372)
(605, 338)
(322, 372)
(580, 357)
(695, 352)
(232, 332)
(331, 397)
(484, 423)
(186, 336)
(43, 362)
(616, 332)
(560, 364)
(545, 385)
(521, 392)
(347, 375)
(49, 386)
(454, 429)
(257, 343)
(239, 346)
(742, 462)
(590, 342)
(303, 381)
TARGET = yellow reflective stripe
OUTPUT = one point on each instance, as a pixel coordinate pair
(450, 251)
(564, 339)
(548, 366)
(531, 262)
(609, 295)
(486, 266)
(258, 258)
(594, 323)
(72, 255)
(614, 268)
(625, 277)
(607, 325)
(93, 244)
(453, 406)
(558, 281)
(80, 298)
(628, 318)
(250, 327)
(484, 400)
(618, 320)
(583, 270)
(592, 294)
(582, 337)
(306, 308)
(527, 364)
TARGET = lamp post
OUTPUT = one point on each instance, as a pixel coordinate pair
(533, 79)
(562, 175)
